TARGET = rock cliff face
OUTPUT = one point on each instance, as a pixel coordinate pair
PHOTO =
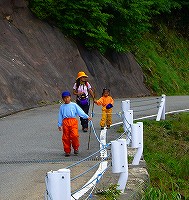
(37, 62)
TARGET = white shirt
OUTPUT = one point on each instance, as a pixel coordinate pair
(83, 88)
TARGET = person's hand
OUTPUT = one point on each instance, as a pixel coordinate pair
(90, 118)
(60, 128)
(80, 93)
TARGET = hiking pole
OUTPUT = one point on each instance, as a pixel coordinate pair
(91, 124)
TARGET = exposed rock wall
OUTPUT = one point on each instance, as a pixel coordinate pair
(37, 62)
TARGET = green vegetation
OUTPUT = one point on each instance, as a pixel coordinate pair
(104, 24)
(110, 193)
(156, 32)
(166, 151)
(164, 59)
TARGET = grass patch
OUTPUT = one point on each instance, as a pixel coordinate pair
(110, 193)
(166, 151)
(164, 59)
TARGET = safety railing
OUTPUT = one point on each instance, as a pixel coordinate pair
(58, 183)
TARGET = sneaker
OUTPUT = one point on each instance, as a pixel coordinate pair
(67, 154)
(102, 128)
(85, 129)
(108, 126)
(76, 152)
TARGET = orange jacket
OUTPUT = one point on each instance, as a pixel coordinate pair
(104, 101)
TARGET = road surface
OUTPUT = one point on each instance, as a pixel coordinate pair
(31, 145)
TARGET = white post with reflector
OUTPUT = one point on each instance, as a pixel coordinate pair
(134, 136)
(127, 122)
(137, 141)
(127, 119)
(126, 105)
(161, 111)
(58, 185)
(120, 162)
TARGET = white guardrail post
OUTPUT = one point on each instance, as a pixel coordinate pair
(137, 141)
(103, 153)
(127, 119)
(120, 162)
(58, 185)
(161, 111)
(126, 105)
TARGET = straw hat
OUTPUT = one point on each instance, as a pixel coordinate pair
(81, 74)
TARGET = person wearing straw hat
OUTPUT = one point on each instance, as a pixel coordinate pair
(82, 89)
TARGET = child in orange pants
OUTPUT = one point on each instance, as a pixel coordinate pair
(107, 103)
(68, 124)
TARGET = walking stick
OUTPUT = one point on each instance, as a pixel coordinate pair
(91, 125)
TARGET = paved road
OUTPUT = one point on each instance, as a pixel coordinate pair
(31, 138)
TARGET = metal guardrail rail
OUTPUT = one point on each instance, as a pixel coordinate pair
(131, 132)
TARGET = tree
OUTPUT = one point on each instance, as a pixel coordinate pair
(102, 24)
